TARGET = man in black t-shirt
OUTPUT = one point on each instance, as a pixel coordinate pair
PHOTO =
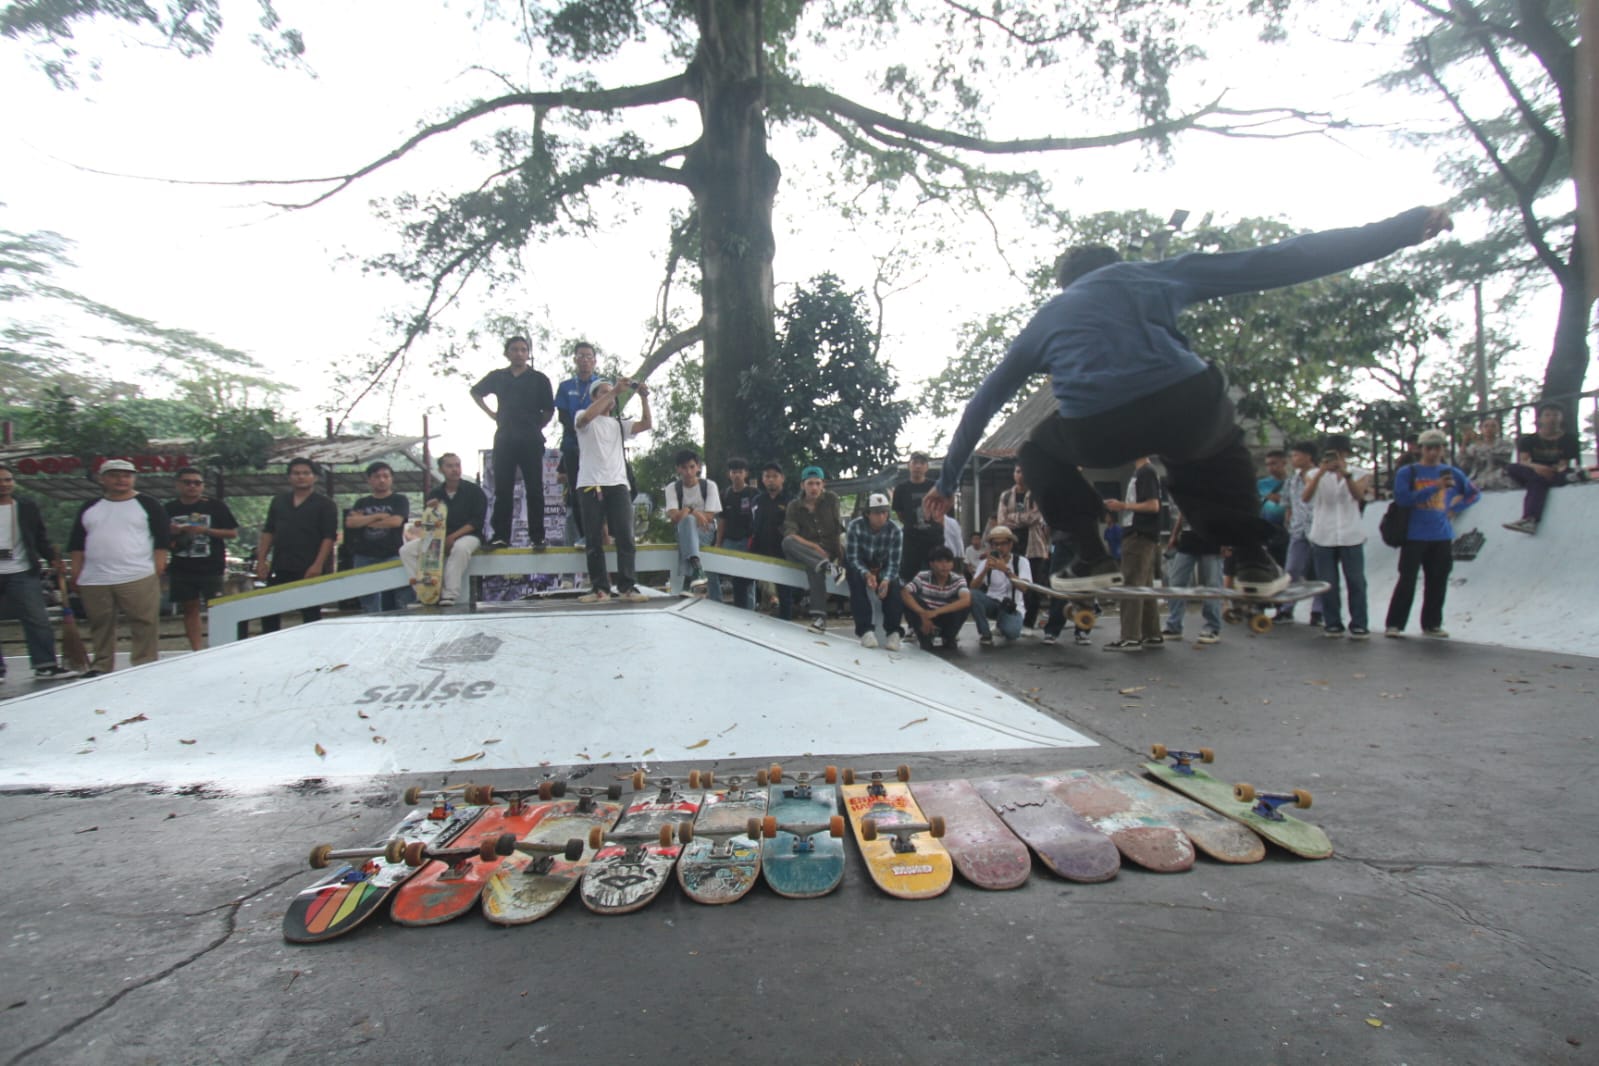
(922, 534)
(374, 528)
(1140, 513)
(736, 530)
(465, 508)
(769, 512)
(297, 537)
(198, 560)
(1543, 461)
(525, 403)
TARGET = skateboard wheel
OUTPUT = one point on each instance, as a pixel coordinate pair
(1158, 750)
(546, 790)
(412, 795)
(849, 776)
(1243, 792)
(902, 772)
(574, 849)
(488, 849)
(505, 844)
(596, 837)
(868, 828)
(760, 778)
(694, 779)
(1084, 619)
(614, 791)
(685, 833)
(416, 853)
(1301, 798)
(394, 851)
(1207, 755)
(752, 829)
(935, 826)
(1260, 623)
(665, 836)
(319, 856)
(478, 795)
(769, 826)
(774, 773)
(707, 778)
(830, 775)
(638, 780)
(835, 825)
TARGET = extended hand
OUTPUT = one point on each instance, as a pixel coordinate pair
(1438, 221)
(935, 505)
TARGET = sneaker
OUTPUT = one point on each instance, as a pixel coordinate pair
(1523, 525)
(1440, 633)
(1395, 632)
(818, 623)
(1175, 634)
(1125, 645)
(986, 640)
(597, 596)
(696, 576)
(868, 639)
(1155, 641)
(1334, 631)
(1262, 577)
(446, 601)
(1081, 638)
(892, 642)
(1209, 636)
(1049, 638)
(634, 595)
(1357, 633)
(53, 672)
(497, 543)
(1082, 576)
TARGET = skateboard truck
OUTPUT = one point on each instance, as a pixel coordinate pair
(1266, 803)
(668, 785)
(802, 780)
(801, 831)
(515, 798)
(322, 855)
(877, 778)
(902, 831)
(1182, 762)
(498, 846)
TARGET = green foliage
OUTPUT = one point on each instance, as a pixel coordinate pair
(824, 397)
(70, 429)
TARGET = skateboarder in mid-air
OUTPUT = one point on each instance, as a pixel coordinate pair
(1126, 384)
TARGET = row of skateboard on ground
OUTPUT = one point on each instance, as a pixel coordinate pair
(518, 853)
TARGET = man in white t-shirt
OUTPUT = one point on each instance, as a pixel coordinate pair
(692, 504)
(602, 488)
(119, 553)
(1337, 492)
(995, 596)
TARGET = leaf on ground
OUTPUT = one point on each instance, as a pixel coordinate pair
(913, 721)
(492, 740)
(1375, 1023)
(476, 755)
(380, 740)
(341, 666)
(99, 710)
(648, 751)
(362, 714)
(728, 730)
(188, 741)
(321, 752)
(580, 755)
(607, 755)
(1135, 690)
(701, 744)
(131, 721)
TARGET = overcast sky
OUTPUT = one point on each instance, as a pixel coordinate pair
(287, 287)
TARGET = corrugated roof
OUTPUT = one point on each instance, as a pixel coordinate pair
(1007, 440)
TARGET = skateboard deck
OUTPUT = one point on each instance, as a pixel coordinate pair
(447, 888)
(1139, 833)
(802, 856)
(1065, 842)
(1286, 831)
(721, 859)
(985, 852)
(1219, 837)
(633, 865)
(429, 581)
(1084, 617)
(354, 891)
(905, 862)
(527, 886)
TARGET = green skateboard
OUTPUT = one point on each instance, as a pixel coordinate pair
(1242, 803)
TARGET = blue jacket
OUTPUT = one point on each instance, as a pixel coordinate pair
(1431, 507)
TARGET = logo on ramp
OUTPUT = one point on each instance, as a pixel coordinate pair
(478, 648)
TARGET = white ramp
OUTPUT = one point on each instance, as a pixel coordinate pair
(357, 697)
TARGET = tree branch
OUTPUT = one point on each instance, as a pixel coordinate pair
(674, 344)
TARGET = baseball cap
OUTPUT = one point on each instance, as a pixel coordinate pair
(596, 384)
(812, 471)
(111, 465)
(1433, 436)
(877, 502)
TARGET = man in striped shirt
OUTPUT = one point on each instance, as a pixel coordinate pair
(938, 600)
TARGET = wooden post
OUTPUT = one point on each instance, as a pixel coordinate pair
(427, 460)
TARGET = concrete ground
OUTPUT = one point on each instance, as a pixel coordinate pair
(1455, 924)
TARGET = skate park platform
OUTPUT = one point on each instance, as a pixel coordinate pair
(1453, 925)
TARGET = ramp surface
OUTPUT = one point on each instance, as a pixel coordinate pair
(692, 681)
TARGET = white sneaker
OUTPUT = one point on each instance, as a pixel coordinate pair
(1209, 636)
(892, 642)
(446, 601)
(868, 639)
(818, 623)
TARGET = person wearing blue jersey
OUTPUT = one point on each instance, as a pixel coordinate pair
(1127, 384)
(1435, 492)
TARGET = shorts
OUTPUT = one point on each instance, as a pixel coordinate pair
(187, 587)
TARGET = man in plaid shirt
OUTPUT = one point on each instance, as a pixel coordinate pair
(872, 549)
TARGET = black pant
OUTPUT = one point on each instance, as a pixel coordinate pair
(271, 623)
(1434, 559)
(569, 491)
(513, 453)
(1210, 474)
(610, 506)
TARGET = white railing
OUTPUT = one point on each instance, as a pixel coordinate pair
(226, 612)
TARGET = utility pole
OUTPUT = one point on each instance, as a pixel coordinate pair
(1482, 357)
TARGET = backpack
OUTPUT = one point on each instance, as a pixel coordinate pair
(1395, 525)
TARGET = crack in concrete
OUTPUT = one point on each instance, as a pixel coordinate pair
(1406, 865)
(229, 927)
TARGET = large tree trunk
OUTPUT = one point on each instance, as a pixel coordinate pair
(734, 182)
(1568, 362)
